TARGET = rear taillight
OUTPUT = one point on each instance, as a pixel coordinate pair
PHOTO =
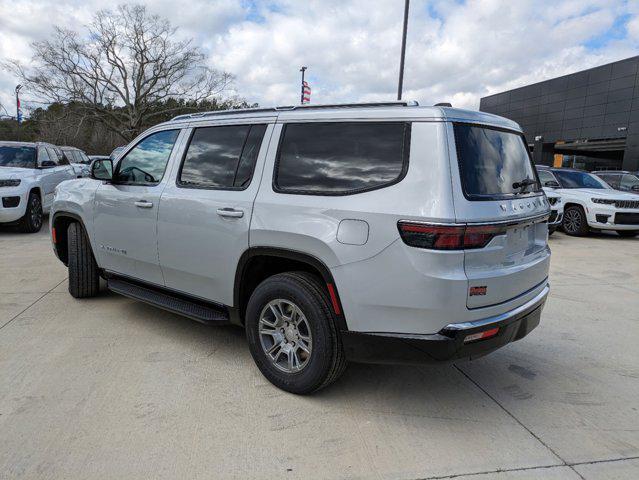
(448, 237)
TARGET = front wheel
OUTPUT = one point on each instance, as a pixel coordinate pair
(292, 334)
(627, 233)
(32, 220)
(84, 279)
(575, 222)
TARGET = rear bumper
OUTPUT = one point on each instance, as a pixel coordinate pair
(448, 344)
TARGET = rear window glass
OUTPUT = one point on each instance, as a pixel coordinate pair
(493, 163)
(341, 158)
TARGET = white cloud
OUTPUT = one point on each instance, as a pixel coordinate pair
(457, 51)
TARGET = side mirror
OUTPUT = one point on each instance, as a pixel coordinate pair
(101, 170)
(552, 184)
(635, 188)
(47, 164)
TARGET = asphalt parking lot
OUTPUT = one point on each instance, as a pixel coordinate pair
(112, 388)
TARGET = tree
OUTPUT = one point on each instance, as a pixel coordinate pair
(129, 71)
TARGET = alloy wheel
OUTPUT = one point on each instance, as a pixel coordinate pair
(35, 212)
(572, 220)
(285, 335)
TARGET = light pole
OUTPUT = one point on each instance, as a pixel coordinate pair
(400, 85)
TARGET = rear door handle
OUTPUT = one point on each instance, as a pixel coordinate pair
(230, 212)
(143, 204)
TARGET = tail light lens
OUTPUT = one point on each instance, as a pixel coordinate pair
(448, 237)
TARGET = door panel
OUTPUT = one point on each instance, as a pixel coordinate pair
(125, 216)
(202, 232)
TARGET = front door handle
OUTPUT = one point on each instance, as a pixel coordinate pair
(230, 212)
(143, 204)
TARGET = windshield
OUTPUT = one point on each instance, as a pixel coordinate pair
(493, 163)
(22, 157)
(571, 179)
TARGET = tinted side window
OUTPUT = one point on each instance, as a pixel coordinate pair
(341, 158)
(43, 156)
(62, 160)
(629, 182)
(221, 157)
(146, 162)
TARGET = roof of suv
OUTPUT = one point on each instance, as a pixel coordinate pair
(25, 144)
(67, 147)
(389, 110)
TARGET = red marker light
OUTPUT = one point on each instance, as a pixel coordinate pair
(481, 335)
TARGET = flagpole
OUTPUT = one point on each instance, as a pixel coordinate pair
(18, 113)
(303, 70)
(400, 84)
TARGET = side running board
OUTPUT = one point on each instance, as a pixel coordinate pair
(195, 309)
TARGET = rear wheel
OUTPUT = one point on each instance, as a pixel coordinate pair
(32, 220)
(627, 233)
(292, 334)
(575, 222)
(84, 280)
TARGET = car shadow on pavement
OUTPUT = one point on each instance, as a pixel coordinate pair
(361, 384)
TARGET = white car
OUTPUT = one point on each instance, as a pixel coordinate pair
(78, 160)
(590, 203)
(556, 210)
(29, 174)
(373, 233)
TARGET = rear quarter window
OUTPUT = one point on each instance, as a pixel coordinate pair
(341, 158)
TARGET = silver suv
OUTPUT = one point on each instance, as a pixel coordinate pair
(373, 233)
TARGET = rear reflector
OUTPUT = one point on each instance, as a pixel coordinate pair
(448, 237)
(481, 335)
(53, 235)
(333, 295)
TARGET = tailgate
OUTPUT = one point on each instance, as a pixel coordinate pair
(512, 264)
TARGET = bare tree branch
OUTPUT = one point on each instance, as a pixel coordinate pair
(127, 64)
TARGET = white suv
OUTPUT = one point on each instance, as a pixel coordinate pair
(591, 204)
(373, 233)
(29, 173)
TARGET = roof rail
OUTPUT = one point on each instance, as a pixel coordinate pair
(283, 108)
(223, 112)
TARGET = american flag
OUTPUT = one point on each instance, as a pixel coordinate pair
(306, 92)
(19, 111)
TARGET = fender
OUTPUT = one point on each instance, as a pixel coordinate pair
(60, 237)
(301, 257)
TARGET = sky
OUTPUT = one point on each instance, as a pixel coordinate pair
(457, 51)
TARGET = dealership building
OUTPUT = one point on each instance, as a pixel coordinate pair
(588, 119)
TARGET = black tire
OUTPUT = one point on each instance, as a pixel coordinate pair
(31, 222)
(326, 362)
(84, 279)
(574, 222)
(627, 233)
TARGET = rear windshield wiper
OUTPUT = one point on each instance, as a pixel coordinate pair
(526, 182)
